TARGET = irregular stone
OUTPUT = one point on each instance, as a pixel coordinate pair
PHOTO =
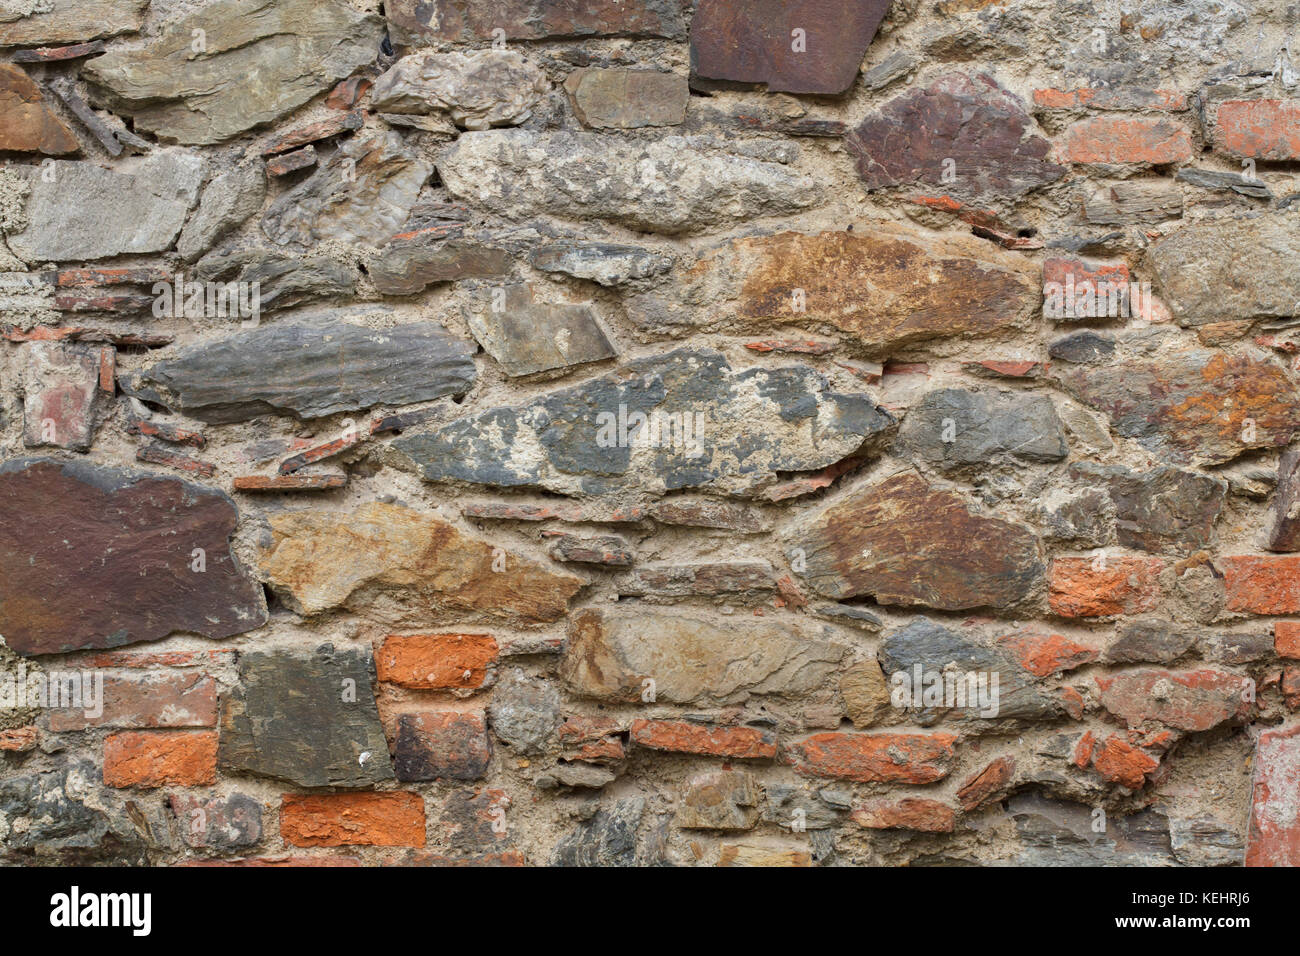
(1166, 509)
(720, 800)
(1176, 405)
(613, 655)
(45, 22)
(1084, 516)
(420, 564)
(1225, 269)
(1214, 179)
(218, 823)
(752, 42)
(686, 580)
(1012, 691)
(972, 121)
(294, 48)
(910, 813)
(308, 719)
(361, 194)
(27, 124)
(1205, 841)
(60, 386)
(682, 420)
(865, 693)
(304, 136)
(1082, 348)
(479, 90)
(763, 853)
(526, 335)
(607, 263)
(1061, 833)
(1125, 203)
(441, 745)
(282, 281)
(1234, 648)
(606, 551)
(959, 428)
(409, 264)
(307, 370)
(883, 287)
(79, 211)
(627, 99)
(74, 538)
(903, 541)
(228, 201)
(1285, 532)
(1157, 642)
(1194, 701)
(287, 163)
(870, 758)
(792, 807)
(581, 776)
(524, 712)
(607, 839)
(666, 185)
(707, 513)
(989, 782)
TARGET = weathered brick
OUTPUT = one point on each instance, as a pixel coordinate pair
(353, 819)
(1261, 585)
(437, 661)
(1192, 701)
(159, 759)
(1118, 761)
(1083, 587)
(1045, 654)
(1286, 639)
(682, 737)
(442, 745)
(909, 813)
(989, 782)
(868, 758)
(1274, 835)
(157, 700)
(1265, 129)
(1108, 140)
(220, 822)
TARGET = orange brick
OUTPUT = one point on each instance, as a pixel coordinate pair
(1119, 140)
(1259, 129)
(1123, 586)
(160, 759)
(1120, 762)
(436, 661)
(910, 813)
(353, 819)
(682, 737)
(1262, 585)
(896, 758)
(1286, 639)
(1044, 654)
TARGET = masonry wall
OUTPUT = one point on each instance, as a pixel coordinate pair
(829, 432)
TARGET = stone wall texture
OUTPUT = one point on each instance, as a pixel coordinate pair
(649, 432)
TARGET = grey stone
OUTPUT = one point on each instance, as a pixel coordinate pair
(526, 335)
(306, 370)
(1284, 535)
(261, 60)
(54, 22)
(1205, 841)
(228, 201)
(1214, 179)
(524, 712)
(958, 428)
(79, 211)
(283, 281)
(666, 185)
(580, 776)
(1165, 509)
(785, 806)
(607, 263)
(221, 823)
(627, 99)
(479, 90)
(1061, 833)
(362, 194)
(1234, 647)
(1082, 348)
(1151, 642)
(406, 266)
(308, 719)
(1085, 516)
(607, 839)
(585, 439)
(1125, 203)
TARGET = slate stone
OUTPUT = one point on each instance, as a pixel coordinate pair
(1225, 269)
(610, 655)
(719, 800)
(1082, 348)
(933, 647)
(906, 542)
(83, 211)
(607, 263)
(307, 370)
(60, 387)
(627, 99)
(607, 839)
(441, 745)
(309, 719)
(524, 712)
(263, 59)
(1062, 833)
(408, 265)
(361, 194)
(74, 539)
(1166, 509)
(753, 42)
(574, 441)
(527, 335)
(283, 281)
(27, 124)
(399, 564)
(1173, 404)
(1085, 516)
(1214, 179)
(1155, 642)
(428, 22)
(228, 201)
(57, 22)
(958, 428)
(1128, 203)
(784, 805)
(669, 185)
(883, 287)
(1284, 534)
(984, 129)
(478, 90)
(220, 823)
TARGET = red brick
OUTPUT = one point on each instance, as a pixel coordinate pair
(895, 758)
(159, 455)
(1125, 586)
(156, 700)
(159, 659)
(1262, 585)
(1044, 654)
(353, 819)
(1005, 369)
(250, 483)
(1259, 129)
(1286, 639)
(910, 813)
(793, 346)
(442, 745)
(160, 758)
(436, 661)
(1110, 99)
(166, 432)
(1192, 701)
(1121, 140)
(313, 133)
(589, 728)
(278, 861)
(739, 742)
(1273, 838)
(992, 780)
(19, 739)
(1120, 762)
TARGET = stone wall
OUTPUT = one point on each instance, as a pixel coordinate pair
(643, 432)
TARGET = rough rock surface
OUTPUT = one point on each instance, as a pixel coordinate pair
(478, 90)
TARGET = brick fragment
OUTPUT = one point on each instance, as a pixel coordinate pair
(442, 745)
(909, 813)
(154, 700)
(353, 819)
(1081, 587)
(1266, 129)
(1261, 585)
(867, 758)
(743, 743)
(1107, 140)
(160, 758)
(437, 661)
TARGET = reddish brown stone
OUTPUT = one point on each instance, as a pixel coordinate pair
(1005, 368)
(289, 482)
(59, 408)
(1285, 511)
(1259, 129)
(442, 745)
(1274, 835)
(682, 737)
(868, 758)
(157, 700)
(157, 454)
(795, 346)
(46, 333)
(1192, 701)
(291, 162)
(58, 54)
(990, 781)
(112, 303)
(353, 819)
(575, 513)
(107, 275)
(97, 557)
(27, 124)
(313, 133)
(1110, 140)
(1083, 587)
(1261, 585)
(19, 739)
(756, 42)
(437, 661)
(910, 813)
(349, 92)
(165, 432)
(1045, 654)
(177, 758)
(1286, 639)
(420, 22)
